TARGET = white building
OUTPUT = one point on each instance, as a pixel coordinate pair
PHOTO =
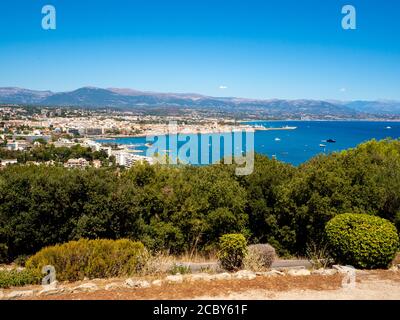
(126, 159)
(95, 146)
(4, 163)
(64, 143)
(17, 145)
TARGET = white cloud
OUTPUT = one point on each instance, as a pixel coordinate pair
(223, 87)
(343, 89)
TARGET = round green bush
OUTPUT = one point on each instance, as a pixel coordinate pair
(362, 240)
(233, 249)
(76, 260)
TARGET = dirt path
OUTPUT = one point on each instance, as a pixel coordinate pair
(368, 290)
(370, 285)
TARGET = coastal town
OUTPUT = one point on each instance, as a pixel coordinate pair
(22, 129)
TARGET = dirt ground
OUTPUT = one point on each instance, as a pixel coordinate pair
(369, 285)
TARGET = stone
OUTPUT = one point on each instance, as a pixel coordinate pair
(130, 283)
(178, 278)
(222, 276)
(53, 285)
(245, 275)
(271, 273)
(20, 294)
(325, 272)
(113, 286)
(394, 268)
(50, 290)
(344, 269)
(157, 283)
(86, 287)
(299, 272)
(200, 277)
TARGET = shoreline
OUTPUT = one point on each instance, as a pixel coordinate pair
(192, 132)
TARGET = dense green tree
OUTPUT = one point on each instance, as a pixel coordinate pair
(187, 208)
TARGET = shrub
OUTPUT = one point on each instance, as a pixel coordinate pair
(259, 257)
(233, 249)
(3, 253)
(319, 255)
(180, 269)
(76, 260)
(362, 240)
(15, 278)
(21, 260)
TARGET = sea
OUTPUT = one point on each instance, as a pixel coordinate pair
(309, 139)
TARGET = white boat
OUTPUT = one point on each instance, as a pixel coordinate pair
(388, 127)
(322, 145)
(277, 139)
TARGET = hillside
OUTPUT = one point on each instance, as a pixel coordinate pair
(128, 99)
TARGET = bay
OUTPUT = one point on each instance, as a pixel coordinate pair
(299, 145)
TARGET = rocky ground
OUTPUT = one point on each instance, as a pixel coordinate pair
(295, 284)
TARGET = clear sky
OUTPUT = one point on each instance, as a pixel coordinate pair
(290, 49)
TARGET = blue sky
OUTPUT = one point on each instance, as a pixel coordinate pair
(257, 49)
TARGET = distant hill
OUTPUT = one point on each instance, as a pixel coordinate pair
(129, 99)
(376, 107)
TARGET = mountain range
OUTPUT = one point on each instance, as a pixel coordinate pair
(127, 99)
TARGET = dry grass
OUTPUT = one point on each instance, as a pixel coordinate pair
(162, 263)
(396, 260)
(319, 255)
(187, 290)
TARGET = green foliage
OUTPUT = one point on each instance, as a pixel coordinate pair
(362, 240)
(21, 260)
(76, 260)
(232, 251)
(14, 278)
(179, 269)
(3, 253)
(186, 208)
(265, 199)
(46, 152)
(365, 179)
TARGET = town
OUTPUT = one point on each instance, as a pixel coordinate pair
(35, 135)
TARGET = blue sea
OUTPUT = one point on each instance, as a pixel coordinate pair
(299, 145)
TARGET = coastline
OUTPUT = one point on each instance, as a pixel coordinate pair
(191, 132)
